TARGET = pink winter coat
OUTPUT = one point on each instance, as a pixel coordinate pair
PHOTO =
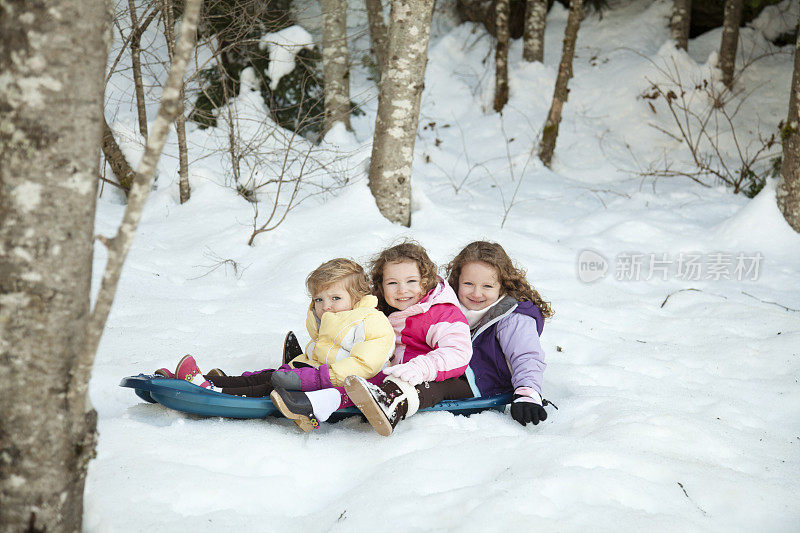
(435, 331)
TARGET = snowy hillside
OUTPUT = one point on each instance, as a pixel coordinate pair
(679, 409)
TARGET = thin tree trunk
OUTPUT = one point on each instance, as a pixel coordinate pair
(501, 55)
(377, 31)
(535, 23)
(788, 192)
(116, 159)
(680, 22)
(52, 58)
(561, 92)
(334, 63)
(136, 38)
(730, 40)
(78, 382)
(183, 153)
(233, 147)
(180, 119)
(398, 108)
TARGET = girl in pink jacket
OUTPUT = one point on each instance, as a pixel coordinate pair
(432, 343)
(432, 340)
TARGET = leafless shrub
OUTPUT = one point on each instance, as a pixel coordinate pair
(218, 262)
(704, 119)
(464, 160)
(514, 179)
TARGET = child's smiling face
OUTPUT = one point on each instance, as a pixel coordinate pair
(333, 298)
(402, 284)
(478, 286)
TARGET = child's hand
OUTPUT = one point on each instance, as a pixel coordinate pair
(527, 411)
(408, 372)
(527, 406)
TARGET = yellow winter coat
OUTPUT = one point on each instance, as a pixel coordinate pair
(357, 342)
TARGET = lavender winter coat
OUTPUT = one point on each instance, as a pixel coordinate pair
(507, 353)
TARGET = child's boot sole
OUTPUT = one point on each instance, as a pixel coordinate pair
(369, 407)
(302, 421)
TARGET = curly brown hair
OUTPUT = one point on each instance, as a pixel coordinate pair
(340, 269)
(405, 251)
(511, 277)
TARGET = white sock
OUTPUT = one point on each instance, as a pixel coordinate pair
(324, 402)
(198, 380)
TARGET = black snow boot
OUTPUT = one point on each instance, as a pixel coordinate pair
(295, 404)
(291, 348)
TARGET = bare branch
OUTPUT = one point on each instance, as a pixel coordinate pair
(77, 390)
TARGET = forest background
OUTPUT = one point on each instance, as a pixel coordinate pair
(673, 365)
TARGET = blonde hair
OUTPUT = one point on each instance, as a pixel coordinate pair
(339, 270)
(405, 251)
(511, 277)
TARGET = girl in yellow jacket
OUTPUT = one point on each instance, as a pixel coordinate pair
(349, 336)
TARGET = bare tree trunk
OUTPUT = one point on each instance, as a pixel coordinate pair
(114, 156)
(233, 148)
(137, 69)
(679, 23)
(788, 192)
(180, 119)
(334, 63)
(561, 92)
(183, 154)
(52, 58)
(730, 40)
(116, 159)
(535, 23)
(377, 31)
(398, 108)
(501, 55)
(77, 397)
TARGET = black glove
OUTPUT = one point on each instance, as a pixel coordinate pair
(526, 411)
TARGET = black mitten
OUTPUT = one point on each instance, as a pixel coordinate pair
(524, 411)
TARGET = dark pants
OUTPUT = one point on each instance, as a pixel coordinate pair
(433, 392)
(254, 386)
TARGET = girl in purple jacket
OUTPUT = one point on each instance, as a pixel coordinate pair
(506, 316)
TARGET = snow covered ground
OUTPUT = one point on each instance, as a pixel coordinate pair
(676, 415)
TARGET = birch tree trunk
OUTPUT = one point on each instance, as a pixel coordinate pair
(377, 31)
(334, 63)
(398, 108)
(501, 55)
(535, 23)
(788, 192)
(52, 59)
(561, 92)
(730, 40)
(180, 119)
(680, 22)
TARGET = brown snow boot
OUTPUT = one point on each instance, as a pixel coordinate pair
(215, 373)
(383, 406)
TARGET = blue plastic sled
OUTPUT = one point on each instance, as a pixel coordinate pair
(189, 398)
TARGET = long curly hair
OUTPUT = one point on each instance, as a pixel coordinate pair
(405, 251)
(511, 277)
